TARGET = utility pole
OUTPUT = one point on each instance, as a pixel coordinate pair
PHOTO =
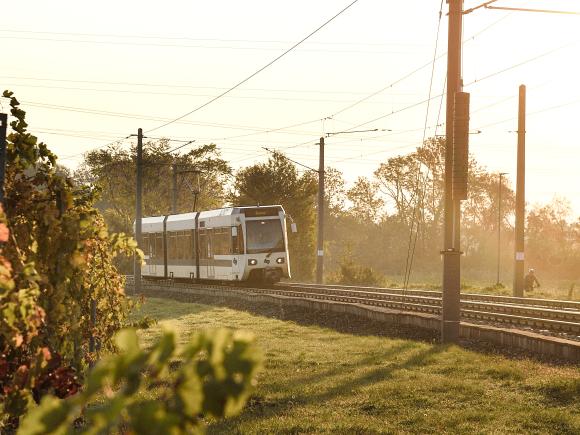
(451, 252)
(501, 174)
(3, 130)
(138, 209)
(320, 244)
(174, 189)
(520, 196)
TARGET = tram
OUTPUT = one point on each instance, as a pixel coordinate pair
(228, 244)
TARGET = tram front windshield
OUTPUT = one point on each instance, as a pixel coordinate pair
(264, 236)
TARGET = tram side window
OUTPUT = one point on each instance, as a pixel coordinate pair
(203, 238)
(145, 244)
(187, 236)
(221, 241)
(184, 241)
(158, 245)
(175, 245)
(238, 241)
(170, 245)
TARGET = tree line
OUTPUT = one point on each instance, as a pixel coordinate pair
(389, 223)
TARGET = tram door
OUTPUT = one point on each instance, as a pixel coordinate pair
(206, 267)
(149, 242)
(210, 254)
(237, 248)
(158, 264)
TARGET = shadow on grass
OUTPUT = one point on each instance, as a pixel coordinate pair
(164, 309)
(339, 370)
(259, 407)
(340, 322)
(350, 324)
(562, 392)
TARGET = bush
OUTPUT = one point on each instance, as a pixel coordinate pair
(351, 273)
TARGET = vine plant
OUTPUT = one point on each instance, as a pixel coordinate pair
(56, 256)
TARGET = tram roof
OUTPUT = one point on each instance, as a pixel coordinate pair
(155, 223)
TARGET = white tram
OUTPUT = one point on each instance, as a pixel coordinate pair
(229, 244)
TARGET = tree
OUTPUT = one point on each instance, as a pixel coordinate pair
(366, 204)
(552, 241)
(398, 179)
(334, 192)
(277, 182)
(112, 170)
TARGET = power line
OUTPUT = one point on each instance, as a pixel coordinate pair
(154, 118)
(410, 74)
(116, 83)
(181, 94)
(257, 72)
(517, 65)
(109, 35)
(405, 76)
(544, 54)
(293, 161)
(535, 112)
(181, 146)
(413, 244)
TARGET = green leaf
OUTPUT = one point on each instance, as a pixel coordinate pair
(163, 349)
(52, 416)
(127, 340)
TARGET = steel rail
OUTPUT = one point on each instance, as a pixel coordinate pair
(522, 310)
(553, 303)
(533, 317)
(481, 311)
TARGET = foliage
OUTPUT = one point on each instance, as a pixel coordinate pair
(214, 378)
(351, 273)
(113, 171)
(398, 214)
(277, 182)
(57, 256)
(366, 204)
(553, 241)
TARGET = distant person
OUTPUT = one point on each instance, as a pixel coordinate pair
(530, 281)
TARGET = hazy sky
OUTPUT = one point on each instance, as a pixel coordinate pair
(89, 73)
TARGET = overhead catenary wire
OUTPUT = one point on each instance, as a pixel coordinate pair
(412, 244)
(308, 122)
(516, 65)
(256, 72)
(390, 85)
(289, 159)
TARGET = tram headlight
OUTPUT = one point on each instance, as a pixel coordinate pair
(280, 260)
(252, 262)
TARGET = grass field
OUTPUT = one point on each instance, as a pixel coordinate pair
(317, 379)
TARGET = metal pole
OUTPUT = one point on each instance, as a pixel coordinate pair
(320, 245)
(3, 130)
(174, 189)
(501, 174)
(451, 252)
(518, 289)
(138, 208)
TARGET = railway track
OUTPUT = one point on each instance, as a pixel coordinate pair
(560, 317)
(547, 303)
(549, 317)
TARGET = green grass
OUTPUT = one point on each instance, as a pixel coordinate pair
(319, 380)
